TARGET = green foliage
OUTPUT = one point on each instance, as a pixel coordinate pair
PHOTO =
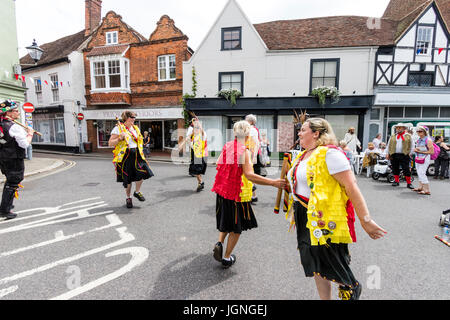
(186, 115)
(322, 92)
(230, 94)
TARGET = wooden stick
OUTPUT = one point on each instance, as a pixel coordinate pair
(24, 126)
(284, 170)
(286, 194)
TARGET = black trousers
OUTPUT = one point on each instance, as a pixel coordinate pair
(399, 160)
(14, 170)
(440, 167)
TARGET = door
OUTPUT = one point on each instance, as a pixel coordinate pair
(154, 129)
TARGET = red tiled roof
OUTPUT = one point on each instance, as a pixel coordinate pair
(406, 11)
(326, 32)
(111, 49)
(56, 50)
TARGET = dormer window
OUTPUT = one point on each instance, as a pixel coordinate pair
(232, 38)
(424, 41)
(112, 37)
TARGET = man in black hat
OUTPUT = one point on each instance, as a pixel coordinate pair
(14, 140)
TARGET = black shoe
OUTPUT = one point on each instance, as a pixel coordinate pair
(395, 184)
(129, 203)
(218, 251)
(200, 186)
(228, 263)
(410, 186)
(139, 196)
(348, 293)
(255, 199)
(8, 216)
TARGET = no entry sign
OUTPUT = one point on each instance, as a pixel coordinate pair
(80, 116)
(28, 107)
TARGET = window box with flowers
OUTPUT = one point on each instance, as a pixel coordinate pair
(323, 92)
(230, 94)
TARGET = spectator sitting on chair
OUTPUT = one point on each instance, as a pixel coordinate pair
(370, 158)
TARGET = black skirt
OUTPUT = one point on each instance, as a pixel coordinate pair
(330, 261)
(132, 168)
(197, 166)
(232, 216)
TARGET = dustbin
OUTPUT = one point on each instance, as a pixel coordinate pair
(87, 147)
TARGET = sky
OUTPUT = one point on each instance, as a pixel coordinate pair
(49, 20)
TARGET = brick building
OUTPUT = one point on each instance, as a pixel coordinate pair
(126, 71)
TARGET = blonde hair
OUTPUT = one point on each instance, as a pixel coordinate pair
(241, 129)
(127, 114)
(326, 133)
(370, 144)
(342, 143)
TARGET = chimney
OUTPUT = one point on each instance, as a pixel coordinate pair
(93, 15)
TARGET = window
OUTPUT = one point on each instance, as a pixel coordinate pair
(413, 112)
(166, 67)
(99, 75)
(324, 73)
(396, 112)
(38, 90)
(430, 112)
(424, 38)
(104, 129)
(420, 79)
(114, 73)
(112, 37)
(127, 77)
(232, 38)
(55, 87)
(231, 80)
(110, 74)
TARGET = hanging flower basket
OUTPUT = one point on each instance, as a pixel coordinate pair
(323, 92)
(230, 94)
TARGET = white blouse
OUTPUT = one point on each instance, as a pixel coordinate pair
(132, 143)
(336, 162)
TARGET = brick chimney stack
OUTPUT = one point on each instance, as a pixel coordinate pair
(93, 15)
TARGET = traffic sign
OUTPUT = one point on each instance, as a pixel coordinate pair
(80, 116)
(28, 107)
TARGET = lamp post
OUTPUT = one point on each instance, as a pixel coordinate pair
(35, 53)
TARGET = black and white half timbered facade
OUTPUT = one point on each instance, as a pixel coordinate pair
(412, 76)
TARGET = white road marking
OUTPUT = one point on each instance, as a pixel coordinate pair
(124, 238)
(113, 222)
(49, 211)
(138, 256)
(5, 292)
(44, 222)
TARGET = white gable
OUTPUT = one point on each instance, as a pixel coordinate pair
(429, 16)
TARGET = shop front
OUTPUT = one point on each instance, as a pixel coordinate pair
(417, 106)
(162, 124)
(275, 117)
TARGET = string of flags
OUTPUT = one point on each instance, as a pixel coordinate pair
(39, 81)
(420, 50)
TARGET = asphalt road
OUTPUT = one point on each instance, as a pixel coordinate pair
(75, 239)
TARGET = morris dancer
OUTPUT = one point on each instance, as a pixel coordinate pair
(233, 186)
(199, 152)
(14, 140)
(322, 183)
(129, 159)
(400, 147)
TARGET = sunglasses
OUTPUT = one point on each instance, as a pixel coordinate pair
(133, 117)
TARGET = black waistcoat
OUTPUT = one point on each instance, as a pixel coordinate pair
(9, 149)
